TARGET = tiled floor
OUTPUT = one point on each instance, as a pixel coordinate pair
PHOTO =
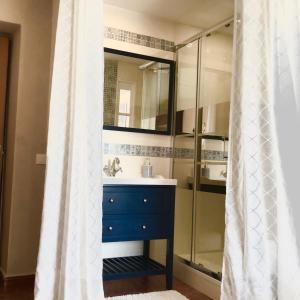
(24, 290)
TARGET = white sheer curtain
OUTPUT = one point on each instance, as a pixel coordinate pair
(262, 207)
(69, 263)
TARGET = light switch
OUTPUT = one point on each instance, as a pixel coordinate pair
(40, 159)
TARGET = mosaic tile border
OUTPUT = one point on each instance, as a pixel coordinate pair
(214, 155)
(138, 39)
(157, 151)
(183, 153)
(138, 150)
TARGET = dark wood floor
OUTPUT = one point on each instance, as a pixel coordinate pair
(24, 290)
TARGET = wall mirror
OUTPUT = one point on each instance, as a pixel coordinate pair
(138, 92)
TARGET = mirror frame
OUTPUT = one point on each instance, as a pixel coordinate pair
(170, 99)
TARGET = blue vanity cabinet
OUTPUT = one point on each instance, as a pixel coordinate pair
(138, 213)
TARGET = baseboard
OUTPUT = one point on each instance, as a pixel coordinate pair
(11, 281)
(199, 281)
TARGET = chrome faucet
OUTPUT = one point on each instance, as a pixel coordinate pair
(111, 169)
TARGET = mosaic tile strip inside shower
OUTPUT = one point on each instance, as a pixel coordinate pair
(214, 155)
(156, 151)
(138, 39)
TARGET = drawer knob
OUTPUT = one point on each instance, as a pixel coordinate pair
(110, 228)
(111, 200)
(144, 227)
(145, 200)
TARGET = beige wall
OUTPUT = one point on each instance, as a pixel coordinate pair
(27, 130)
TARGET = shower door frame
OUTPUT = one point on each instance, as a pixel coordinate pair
(199, 80)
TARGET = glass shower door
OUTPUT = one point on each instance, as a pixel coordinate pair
(211, 160)
(184, 147)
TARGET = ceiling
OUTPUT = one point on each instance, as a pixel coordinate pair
(199, 13)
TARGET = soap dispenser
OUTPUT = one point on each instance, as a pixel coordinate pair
(205, 171)
(147, 169)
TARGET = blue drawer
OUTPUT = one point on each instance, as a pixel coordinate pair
(136, 199)
(130, 228)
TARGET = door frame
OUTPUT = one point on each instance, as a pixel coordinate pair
(5, 128)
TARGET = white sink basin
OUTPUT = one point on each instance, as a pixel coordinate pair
(139, 181)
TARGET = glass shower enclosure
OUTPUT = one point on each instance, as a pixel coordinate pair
(204, 66)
